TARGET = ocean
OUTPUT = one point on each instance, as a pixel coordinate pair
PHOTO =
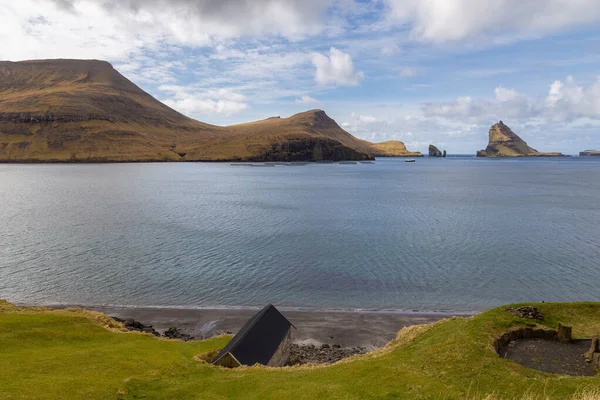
(454, 234)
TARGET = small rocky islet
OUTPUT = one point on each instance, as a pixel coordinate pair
(503, 142)
(435, 152)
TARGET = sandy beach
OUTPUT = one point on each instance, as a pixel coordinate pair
(368, 329)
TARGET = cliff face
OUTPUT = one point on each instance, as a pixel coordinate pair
(392, 148)
(503, 142)
(85, 110)
(590, 153)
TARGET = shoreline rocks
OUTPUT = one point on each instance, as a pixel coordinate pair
(171, 333)
(526, 312)
(133, 325)
(324, 354)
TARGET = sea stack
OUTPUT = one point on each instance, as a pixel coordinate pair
(434, 151)
(503, 142)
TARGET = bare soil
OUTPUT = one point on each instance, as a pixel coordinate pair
(551, 356)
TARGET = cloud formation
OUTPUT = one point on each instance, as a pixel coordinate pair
(441, 21)
(565, 102)
(337, 69)
(407, 72)
(211, 102)
(307, 100)
(113, 29)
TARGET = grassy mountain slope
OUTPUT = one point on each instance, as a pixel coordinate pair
(84, 110)
(57, 354)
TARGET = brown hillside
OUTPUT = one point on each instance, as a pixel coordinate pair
(393, 148)
(84, 110)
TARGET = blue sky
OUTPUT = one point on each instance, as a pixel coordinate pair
(420, 71)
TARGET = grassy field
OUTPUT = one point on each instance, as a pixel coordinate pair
(72, 354)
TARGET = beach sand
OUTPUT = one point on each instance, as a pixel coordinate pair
(346, 328)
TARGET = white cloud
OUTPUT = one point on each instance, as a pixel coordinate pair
(503, 94)
(391, 49)
(211, 102)
(565, 102)
(307, 100)
(369, 119)
(111, 29)
(448, 20)
(338, 69)
(407, 72)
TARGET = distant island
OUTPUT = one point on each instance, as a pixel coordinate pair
(86, 111)
(590, 153)
(503, 142)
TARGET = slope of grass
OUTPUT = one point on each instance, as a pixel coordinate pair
(47, 354)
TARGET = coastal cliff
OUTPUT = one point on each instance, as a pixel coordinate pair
(86, 111)
(393, 148)
(503, 142)
(590, 153)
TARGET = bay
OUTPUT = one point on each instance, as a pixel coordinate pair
(439, 234)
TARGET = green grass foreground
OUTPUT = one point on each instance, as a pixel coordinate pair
(78, 354)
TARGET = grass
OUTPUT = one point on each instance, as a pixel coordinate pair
(55, 354)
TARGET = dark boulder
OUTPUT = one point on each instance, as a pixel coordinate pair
(133, 325)
(173, 333)
(526, 312)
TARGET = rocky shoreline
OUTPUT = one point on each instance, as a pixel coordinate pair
(325, 354)
(171, 333)
(300, 354)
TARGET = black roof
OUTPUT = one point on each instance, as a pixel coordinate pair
(259, 338)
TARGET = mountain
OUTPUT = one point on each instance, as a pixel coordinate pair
(86, 111)
(391, 148)
(503, 142)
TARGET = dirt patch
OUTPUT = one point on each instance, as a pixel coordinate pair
(551, 356)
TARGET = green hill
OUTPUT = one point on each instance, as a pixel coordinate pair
(59, 354)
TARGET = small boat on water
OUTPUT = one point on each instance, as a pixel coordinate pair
(410, 160)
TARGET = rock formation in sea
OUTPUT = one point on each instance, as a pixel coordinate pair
(503, 142)
(590, 153)
(434, 151)
(444, 155)
(86, 111)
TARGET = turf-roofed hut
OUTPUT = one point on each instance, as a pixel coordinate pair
(264, 339)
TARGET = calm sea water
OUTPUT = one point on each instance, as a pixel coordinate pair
(439, 234)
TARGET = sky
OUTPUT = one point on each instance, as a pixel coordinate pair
(419, 71)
